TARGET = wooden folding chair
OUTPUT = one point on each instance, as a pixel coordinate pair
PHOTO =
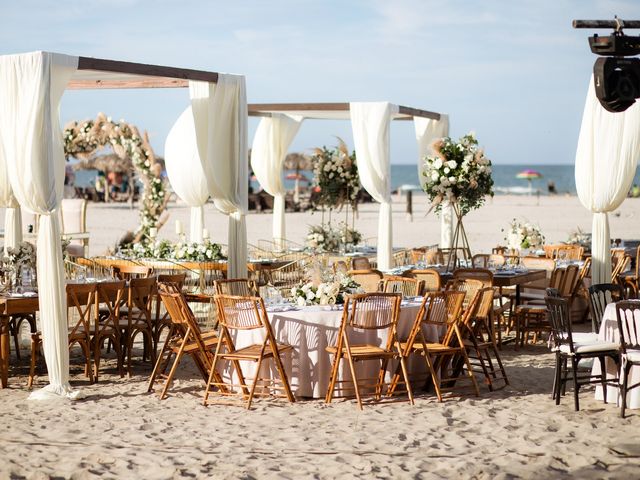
(431, 281)
(238, 313)
(128, 272)
(242, 287)
(161, 320)
(408, 287)
(184, 337)
(443, 310)
(368, 311)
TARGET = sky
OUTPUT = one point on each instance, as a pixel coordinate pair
(514, 72)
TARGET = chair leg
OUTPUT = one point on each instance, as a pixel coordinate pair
(556, 379)
(625, 385)
(283, 376)
(352, 367)
(603, 378)
(576, 386)
(334, 376)
(405, 374)
(35, 351)
(172, 372)
(434, 376)
(255, 382)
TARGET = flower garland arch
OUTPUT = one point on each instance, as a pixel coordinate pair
(82, 139)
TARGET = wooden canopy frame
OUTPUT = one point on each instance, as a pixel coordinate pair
(98, 73)
(341, 111)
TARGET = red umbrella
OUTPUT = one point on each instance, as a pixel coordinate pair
(297, 176)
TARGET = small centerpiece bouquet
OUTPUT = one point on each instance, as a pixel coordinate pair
(459, 173)
(323, 288)
(336, 176)
(24, 255)
(326, 238)
(524, 235)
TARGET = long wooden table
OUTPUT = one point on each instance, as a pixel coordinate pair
(11, 306)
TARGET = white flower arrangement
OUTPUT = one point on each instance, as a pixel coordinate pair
(24, 255)
(331, 291)
(336, 175)
(165, 250)
(524, 235)
(459, 173)
(325, 238)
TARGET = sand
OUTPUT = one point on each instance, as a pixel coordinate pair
(120, 431)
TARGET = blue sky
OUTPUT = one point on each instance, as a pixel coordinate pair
(515, 72)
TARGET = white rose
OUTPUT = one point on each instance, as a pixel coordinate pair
(301, 301)
(452, 180)
(435, 176)
(447, 170)
(438, 163)
(452, 164)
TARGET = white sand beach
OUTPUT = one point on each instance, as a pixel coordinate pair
(120, 431)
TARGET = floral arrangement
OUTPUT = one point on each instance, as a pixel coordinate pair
(325, 238)
(523, 235)
(579, 237)
(336, 176)
(332, 290)
(165, 250)
(82, 139)
(24, 255)
(459, 173)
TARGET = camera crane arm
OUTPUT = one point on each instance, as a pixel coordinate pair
(617, 24)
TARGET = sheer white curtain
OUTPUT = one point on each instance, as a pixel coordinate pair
(12, 214)
(220, 117)
(370, 124)
(427, 130)
(269, 149)
(185, 172)
(606, 160)
(31, 87)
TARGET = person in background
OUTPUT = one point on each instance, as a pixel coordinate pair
(101, 186)
(69, 181)
(635, 191)
(551, 187)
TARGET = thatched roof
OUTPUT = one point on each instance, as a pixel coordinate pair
(105, 163)
(297, 161)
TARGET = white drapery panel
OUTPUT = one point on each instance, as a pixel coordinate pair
(185, 172)
(370, 124)
(427, 130)
(220, 118)
(270, 144)
(606, 160)
(31, 87)
(12, 215)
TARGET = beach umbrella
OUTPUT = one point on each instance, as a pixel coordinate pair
(529, 175)
(297, 177)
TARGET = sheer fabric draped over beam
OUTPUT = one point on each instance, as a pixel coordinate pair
(185, 172)
(220, 118)
(370, 123)
(31, 87)
(606, 159)
(427, 130)
(270, 144)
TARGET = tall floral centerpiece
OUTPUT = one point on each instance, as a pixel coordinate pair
(460, 174)
(337, 184)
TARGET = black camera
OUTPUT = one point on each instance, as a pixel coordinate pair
(616, 77)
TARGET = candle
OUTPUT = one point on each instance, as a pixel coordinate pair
(179, 230)
(205, 234)
(153, 232)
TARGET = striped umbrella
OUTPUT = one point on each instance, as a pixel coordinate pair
(529, 175)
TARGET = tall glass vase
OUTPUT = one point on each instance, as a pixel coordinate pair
(459, 254)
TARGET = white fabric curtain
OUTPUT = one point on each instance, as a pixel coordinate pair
(31, 87)
(270, 144)
(185, 171)
(220, 117)
(427, 130)
(370, 124)
(606, 160)
(12, 214)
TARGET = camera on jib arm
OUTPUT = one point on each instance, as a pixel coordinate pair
(616, 76)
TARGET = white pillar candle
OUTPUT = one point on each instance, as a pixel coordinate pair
(205, 234)
(153, 232)
(179, 230)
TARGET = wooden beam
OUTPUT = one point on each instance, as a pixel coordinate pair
(416, 112)
(258, 109)
(158, 76)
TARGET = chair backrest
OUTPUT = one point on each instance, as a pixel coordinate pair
(564, 280)
(128, 272)
(236, 286)
(440, 309)
(141, 292)
(621, 266)
(113, 295)
(372, 311)
(360, 263)
(369, 280)
(486, 260)
(237, 312)
(434, 256)
(404, 285)
(81, 304)
(600, 296)
(468, 286)
(569, 252)
(431, 281)
(539, 263)
(176, 278)
(177, 307)
(560, 320)
(628, 316)
(74, 215)
(340, 267)
(400, 258)
(481, 274)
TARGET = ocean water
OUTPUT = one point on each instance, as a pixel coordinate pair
(504, 178)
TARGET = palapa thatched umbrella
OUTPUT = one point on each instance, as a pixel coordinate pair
(297, 162)
(106, 163)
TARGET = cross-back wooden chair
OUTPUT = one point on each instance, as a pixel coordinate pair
(628, 316)
(632, 282)
(81, 304)
(369, 311)
(431, 281)
(369, 280)
(112, 296)
(183, 338)
(408, 287)
(442, 310)
(236, 286)
(480, 341)
(238, 313)
(127, 272)
(621, 266)
(161, 319)
(136, 318)
(601, 295)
